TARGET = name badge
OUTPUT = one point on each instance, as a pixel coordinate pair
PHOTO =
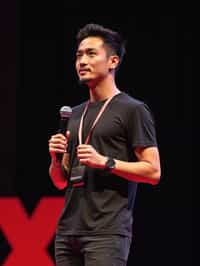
(77, 176)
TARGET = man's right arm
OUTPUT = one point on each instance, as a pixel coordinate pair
(58, 170)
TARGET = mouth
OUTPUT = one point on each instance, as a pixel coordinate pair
(83, 71)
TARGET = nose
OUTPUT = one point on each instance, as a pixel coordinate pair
(83, 60)
(82, 64)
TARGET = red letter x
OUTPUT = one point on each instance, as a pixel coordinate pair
(29, 236)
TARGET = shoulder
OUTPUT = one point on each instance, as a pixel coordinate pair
(78, 109)
(131, 108)
(129, 103)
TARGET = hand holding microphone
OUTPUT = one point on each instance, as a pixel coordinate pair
(58, 145)
(58, 142)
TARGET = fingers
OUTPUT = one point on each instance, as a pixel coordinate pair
(84, 152)
(56, 148)
(84, 148)
(87, 155)
(58, 144)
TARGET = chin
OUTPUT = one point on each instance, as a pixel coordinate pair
(84, 81)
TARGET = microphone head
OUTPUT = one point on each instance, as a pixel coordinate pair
(65, 111)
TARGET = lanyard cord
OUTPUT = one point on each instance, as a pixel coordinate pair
(94, 123)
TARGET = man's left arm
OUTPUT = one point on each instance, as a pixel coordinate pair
(147, 169)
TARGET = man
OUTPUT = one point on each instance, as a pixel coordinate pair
(110, 146)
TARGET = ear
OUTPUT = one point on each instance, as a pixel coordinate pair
(113, 61)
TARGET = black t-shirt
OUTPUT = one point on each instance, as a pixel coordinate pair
(105, 204)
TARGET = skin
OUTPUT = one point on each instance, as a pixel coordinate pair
(96, 68)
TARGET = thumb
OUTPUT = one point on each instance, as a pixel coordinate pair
(67, 134)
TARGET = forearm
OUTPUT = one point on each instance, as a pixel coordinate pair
(58, 172)
(141, 171)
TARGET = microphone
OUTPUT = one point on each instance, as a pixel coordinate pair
(65, 114)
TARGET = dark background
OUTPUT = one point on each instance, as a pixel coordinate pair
(38, 77)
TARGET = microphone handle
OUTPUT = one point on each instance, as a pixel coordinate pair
(62, 129)
(63, 126)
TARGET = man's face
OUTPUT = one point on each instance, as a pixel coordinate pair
(92, 61)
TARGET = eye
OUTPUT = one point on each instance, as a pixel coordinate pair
(78, 55)
(91, 53)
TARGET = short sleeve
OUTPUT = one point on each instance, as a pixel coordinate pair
(141, 127)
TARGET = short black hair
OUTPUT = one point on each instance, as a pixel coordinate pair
(113, 40)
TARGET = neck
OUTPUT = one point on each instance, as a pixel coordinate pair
(103, 90)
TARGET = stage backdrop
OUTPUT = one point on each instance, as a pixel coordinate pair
(37, 62)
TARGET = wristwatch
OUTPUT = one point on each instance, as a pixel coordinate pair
(110, 164)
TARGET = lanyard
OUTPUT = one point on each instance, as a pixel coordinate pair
(94, 123)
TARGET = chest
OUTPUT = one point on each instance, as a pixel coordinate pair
(109, 126)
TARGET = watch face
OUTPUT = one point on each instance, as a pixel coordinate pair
(110, 164)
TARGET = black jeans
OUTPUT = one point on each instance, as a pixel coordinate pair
(98, 250)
